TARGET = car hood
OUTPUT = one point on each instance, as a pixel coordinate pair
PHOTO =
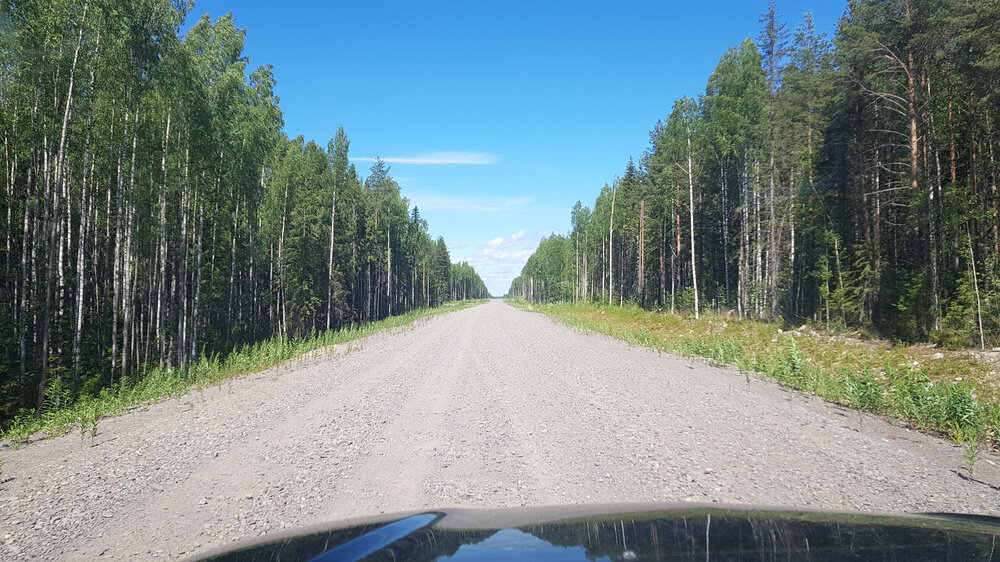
(631, 532)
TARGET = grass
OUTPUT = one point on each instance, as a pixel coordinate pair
(954, 393)
(971, 456)
(165, 382)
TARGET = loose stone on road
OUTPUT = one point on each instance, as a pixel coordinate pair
(483, 407)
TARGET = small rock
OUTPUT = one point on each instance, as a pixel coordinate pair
(108, 514)
(937, 355)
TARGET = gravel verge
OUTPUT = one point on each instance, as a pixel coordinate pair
(484, 407)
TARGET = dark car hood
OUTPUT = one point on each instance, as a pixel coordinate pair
(631, 532)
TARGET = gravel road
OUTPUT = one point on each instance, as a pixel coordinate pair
(483, 407)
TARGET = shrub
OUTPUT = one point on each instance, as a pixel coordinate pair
(862, 391)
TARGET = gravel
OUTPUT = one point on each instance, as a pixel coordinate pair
(483, 407)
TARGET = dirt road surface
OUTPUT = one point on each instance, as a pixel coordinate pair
(484, 407)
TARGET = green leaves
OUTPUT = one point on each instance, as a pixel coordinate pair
(734, 100)
(156, 214)
(850, 183)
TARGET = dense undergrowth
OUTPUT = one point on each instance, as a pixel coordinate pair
(952, 393)
(160, 383)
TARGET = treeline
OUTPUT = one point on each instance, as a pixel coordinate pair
(154, 213)
(852, 182)
(465, 283)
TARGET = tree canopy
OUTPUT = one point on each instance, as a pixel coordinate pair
(154, 213)
(851, 182)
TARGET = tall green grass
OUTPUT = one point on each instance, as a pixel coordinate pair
(866, 377)
(167, 382)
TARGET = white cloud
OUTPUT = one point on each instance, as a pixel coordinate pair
(474, 158)
(488, 255)
(499, 260)
(504, 243)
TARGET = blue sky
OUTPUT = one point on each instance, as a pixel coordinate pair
(495, 117)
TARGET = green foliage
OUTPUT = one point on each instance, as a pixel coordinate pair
(548, 275)
(959, 329)
(440, 269)
(466, 283)
(176, 223)
(831, 184)
(166, 382)
(972, 452)
(734, 100)
(862, 392)
(791, 368)
(685, 299)
(728, 351)
(89, 414)
(915, 398)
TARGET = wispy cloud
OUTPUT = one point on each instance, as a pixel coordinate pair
(474, 158)
(499, 260)
(434, 201)
(500, 242)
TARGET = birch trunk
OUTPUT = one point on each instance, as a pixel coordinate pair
(611, 260)
(333, 226)
(81, 250)
(197, 280)
(694, 272)
(161, 293)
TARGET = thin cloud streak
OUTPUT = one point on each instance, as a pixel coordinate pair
(435, 158)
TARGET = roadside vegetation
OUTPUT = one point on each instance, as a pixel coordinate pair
(168, 382)
(174, 221)
(951, 393)
(848, 180)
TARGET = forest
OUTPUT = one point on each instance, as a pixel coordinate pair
(155, 213)
(848, 181)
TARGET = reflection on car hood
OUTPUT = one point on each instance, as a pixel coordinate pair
(631, 532)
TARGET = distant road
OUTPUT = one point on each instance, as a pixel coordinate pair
(483, 407)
